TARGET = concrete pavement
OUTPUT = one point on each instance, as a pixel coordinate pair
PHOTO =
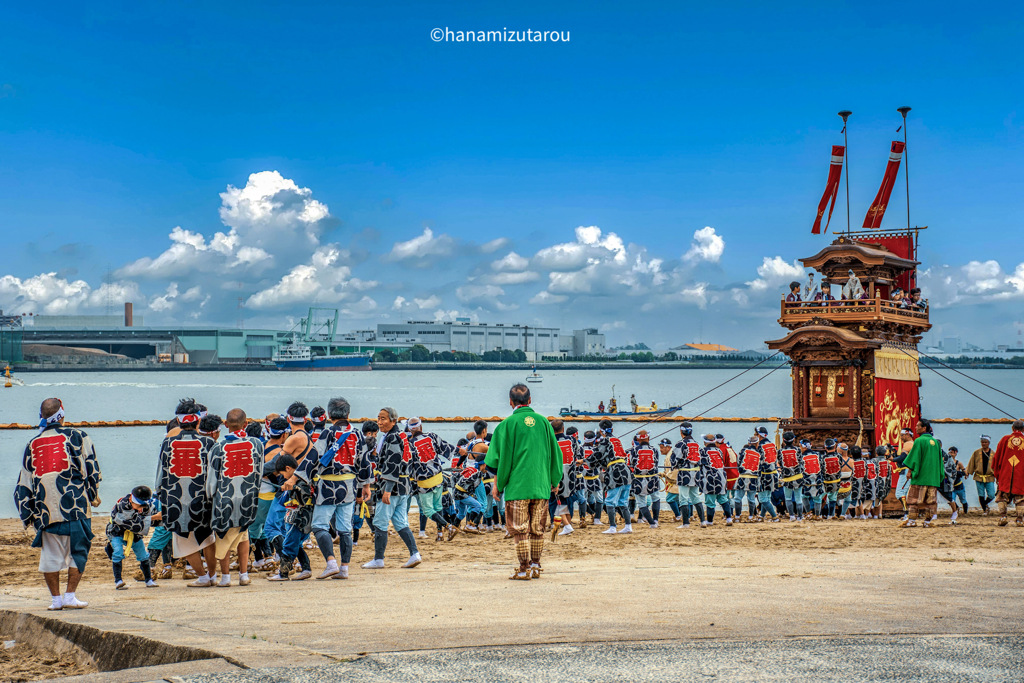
(904, 658)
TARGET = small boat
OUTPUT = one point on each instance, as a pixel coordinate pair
(534, 376)
(294, 356)
(661, 412)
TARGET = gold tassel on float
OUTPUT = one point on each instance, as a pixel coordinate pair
(778, 432)
(860, 435)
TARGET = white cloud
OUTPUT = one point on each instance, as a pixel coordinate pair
(775, 272)
(269, 216)
(49, 294)
(697, 294)
(474, 293)
(977, 281)
(429, 302)
(422, 247)
(513, 278)
(326, 279)
(165, 303)
(599, 264)
(510, 262)
(448, 316)
(402, 304)
(707, 246)
(494, 245)
(615, 325)
(359, 309)
(545, 298)
(271, 209)
(591, 246)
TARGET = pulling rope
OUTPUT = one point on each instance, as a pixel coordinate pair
(697, 398)
(698, 416)
(973, 379)
(960, 386)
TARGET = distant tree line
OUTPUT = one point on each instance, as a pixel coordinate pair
(969, 361)
(421, 354)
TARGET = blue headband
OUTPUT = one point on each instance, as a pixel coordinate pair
(45, 422)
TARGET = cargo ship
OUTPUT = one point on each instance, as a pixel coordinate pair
(300, 357)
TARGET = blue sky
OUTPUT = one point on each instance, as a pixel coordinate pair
(697, 136)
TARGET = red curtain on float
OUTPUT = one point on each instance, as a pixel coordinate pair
(897, 407)
(901, 245)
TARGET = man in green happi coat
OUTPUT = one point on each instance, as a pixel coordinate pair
(926, 474)
(525, 455)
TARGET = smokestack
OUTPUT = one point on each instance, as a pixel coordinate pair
(128, 314)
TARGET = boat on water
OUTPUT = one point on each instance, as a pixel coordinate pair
(660, 412)
(301, 357)
(534, 376)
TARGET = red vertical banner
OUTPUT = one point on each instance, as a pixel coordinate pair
(835, 172)
(897, 407)
(873, 219)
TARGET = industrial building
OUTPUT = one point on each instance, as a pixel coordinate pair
(583, 343)
(128, 337)
(471, 337)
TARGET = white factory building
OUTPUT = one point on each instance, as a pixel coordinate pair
(477, 337)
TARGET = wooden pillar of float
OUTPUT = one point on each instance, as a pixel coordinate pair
(855, 371)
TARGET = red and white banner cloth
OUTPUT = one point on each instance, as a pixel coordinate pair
(873, 219)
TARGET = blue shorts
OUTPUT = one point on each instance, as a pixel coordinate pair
(340, 514)
(617, 497)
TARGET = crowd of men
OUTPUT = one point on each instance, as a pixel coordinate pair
(233, 491)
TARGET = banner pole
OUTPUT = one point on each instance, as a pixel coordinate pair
(906, 156)
(846, 161)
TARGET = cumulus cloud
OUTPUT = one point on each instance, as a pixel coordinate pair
(696, 294)
(598, 263)
(775, 272)
(423, 249)
(271, 209)
(325, 279)
(417, 303)
(590, 245)
(50, 294)
(707, 245)
(977, 281)
(511, 262)
(270, 216)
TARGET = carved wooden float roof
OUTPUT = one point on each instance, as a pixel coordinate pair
(823, 335)
(846, 250)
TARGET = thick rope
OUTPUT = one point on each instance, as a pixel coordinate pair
(973, 379)
(698, 416)
(991, 405)
(696, 398)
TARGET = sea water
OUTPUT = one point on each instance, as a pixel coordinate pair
(128, 455)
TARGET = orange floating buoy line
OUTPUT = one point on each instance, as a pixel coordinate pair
(626, 417)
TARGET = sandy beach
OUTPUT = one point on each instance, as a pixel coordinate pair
(752, 581)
